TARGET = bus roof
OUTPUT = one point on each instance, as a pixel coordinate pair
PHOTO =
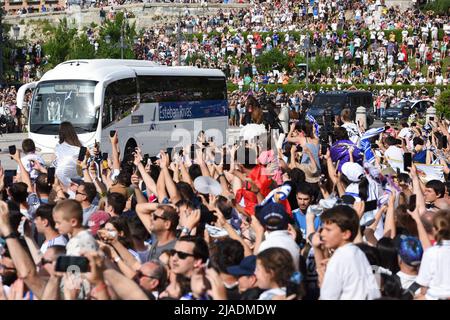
(112, 69)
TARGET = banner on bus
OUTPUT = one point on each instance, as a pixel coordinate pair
(192, 110)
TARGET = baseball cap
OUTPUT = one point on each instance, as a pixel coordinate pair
(410, 250)
(207, 185)
(77, 181)
(353, 171)
(245, 268)
(273, 216)
(96, 220)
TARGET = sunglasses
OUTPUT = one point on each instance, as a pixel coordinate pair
(139, 274)
(83, 194)
(45, 261)
(182, 255)
(156, 217)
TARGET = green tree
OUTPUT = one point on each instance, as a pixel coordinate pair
(113, 30)
(267, 60)
(81, 48)
(59, 46)
(443, 104)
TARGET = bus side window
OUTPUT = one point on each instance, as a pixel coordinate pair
(120, 98)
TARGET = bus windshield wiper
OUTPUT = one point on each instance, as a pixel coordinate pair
(83, 128)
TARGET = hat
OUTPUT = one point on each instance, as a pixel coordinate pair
(207, 185)
(273, 216)
(96, 220)
(353, 171)
(410, 250)
(77, 181)
(119, 188)
(245, 268)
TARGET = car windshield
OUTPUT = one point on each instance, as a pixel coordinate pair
(58, 101)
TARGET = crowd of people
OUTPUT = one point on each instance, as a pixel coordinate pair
(374, 45)
(363, 216)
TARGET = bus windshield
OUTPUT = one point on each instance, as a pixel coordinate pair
(58, 101)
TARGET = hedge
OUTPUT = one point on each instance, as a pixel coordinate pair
(290, 88)
(297, 34)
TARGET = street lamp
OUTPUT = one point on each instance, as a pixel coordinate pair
(16, 30)
(108, 39)
(121, 44)
(306, 46)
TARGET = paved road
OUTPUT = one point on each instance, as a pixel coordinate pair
(16, 139)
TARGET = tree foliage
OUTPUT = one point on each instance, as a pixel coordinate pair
(443, 104)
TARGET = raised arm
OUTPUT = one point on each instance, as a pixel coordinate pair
(144, 211)
(115, 151)
(417, 190)
(168, 180)
(26, 269)
(24, 175)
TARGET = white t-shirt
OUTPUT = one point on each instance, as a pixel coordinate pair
(26, 161)
(58, 241)
(83, 241)
(353, 132)
(282, 239)
(407, 280)
(269, 294)
(66, 162)
(394, 156)
(434, 271)
(349, 276)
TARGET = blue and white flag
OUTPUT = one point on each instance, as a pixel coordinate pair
(365, 145)
(311, 119)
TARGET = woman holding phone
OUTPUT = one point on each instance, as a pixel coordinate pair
(67, 152)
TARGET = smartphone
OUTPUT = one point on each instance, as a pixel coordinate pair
(324, 148)
(145, 159)
(370, 205)
(431, 118)
(112, 133)
(412, 202)
(192, 152)
(169, 153)
(12, 150)
(51, 175)
(407, 161)
(153, 159)
(444, 142)
(299, 148)
(72, 263)
(9, 177)
(105, 156)
(82, 153)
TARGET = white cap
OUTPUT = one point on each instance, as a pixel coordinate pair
(353, 171)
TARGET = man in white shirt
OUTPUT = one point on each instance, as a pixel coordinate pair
(394, 155)
(274, 218)
(348, 274)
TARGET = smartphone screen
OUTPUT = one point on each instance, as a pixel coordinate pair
(12, 150)
(412, 202)
(82, 153)
(431, 118)
(444, 142)
(51, 175)
(370, 205)
(105, 156)
(72, 264)
(407, 161)
(112, 133)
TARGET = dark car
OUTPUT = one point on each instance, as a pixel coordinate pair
(404, 108)
(338, 100)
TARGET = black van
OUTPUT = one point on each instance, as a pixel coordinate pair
(338, 100)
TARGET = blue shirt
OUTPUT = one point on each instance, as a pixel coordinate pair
(300, 221)
(420, 157)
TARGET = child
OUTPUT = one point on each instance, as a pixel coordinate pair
(434, 272)
(68, 216)
(348, 274)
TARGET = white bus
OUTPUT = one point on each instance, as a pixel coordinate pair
(150, 106)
